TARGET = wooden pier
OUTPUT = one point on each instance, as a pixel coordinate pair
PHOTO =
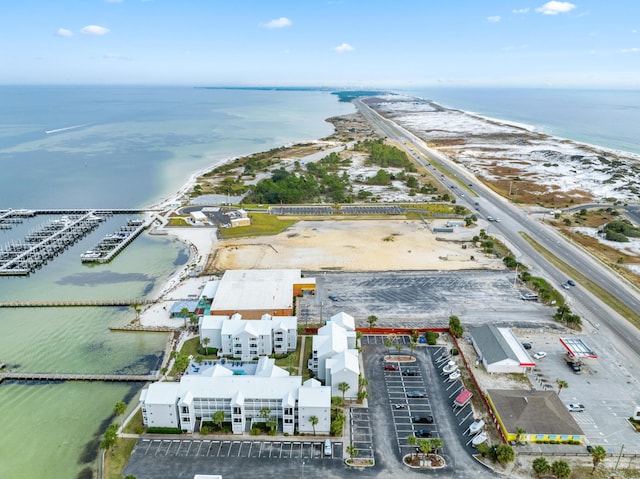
(46, 377)
(80, 303)
(111, 245)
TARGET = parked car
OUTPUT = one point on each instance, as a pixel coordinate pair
(333, 297)
(423, 433)
(497, 220)
(565, 285)
(575, 407)
(526, 345)
(422, 419)
(540, 355)
(411, 372)
(416, 394)
(589, 449)
(571, 282)
(328, 449)
(391, 367)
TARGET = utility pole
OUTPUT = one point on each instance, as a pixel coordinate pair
(619, 456)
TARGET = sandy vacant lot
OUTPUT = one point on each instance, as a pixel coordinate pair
(359, 245)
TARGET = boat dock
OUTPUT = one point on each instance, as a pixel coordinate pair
(80, 303)
(47, 377)
(112, 244)
(45, 242)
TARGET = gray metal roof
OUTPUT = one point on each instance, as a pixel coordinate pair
(492, 344)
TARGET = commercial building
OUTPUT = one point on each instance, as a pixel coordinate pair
(253, 293)
(499, 350)
(540, 414)
(242, 397)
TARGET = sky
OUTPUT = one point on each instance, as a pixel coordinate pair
(333, 43)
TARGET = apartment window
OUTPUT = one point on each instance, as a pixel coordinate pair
(185, 409)
(185, 419)
(237, 419)
(288, 421)
(237, 410)
(288, 411)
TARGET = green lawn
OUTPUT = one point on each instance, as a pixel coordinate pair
(261, 224)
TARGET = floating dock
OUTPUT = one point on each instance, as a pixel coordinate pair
(114, 243)
(45, 242)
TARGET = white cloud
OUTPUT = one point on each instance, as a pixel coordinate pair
(630, 50)
(553, 8)
(345, 47)
(521, 11)
(113, 1)
(494, 18)
(94, 30)
(278, 23)
(63, 32)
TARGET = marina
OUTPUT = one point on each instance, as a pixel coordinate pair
(20, 258)
(112, 244)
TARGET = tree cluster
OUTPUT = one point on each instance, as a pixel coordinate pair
(455, 328)
(620, 230)
(385, 155)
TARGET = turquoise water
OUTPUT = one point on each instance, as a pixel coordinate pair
(609, 118)
(127, 147)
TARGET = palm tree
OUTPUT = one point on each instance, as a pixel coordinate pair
(314, 422)
(218, 418)
(399, 347)
(436, 443)
(561, 469)
(519, 433)
(598, 455)
(206, 342)
(184, 313)
(425, 446)
(110, 438)
(193, 319)
(412, 441)
(352, 451)
(120, 408)
(561, 383)
(541, 466)
(272, 424)
(412, 347)
(343, 387)
(387, 344)
(372, 320)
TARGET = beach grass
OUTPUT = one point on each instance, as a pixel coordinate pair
(609, 299)
(261, 225)
(116, 460)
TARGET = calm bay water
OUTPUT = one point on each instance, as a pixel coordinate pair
(108, 148)
(609, 118)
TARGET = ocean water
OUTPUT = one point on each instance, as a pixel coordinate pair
(108, 147)
(608, 118)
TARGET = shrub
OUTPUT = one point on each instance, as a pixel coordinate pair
(164, 430)
(432, 338)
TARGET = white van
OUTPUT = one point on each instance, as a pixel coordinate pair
(328, 450)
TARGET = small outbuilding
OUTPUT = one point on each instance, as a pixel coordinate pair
(499, 350)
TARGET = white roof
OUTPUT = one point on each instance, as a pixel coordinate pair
(331, 339)
(213, 322)
(267, 368)
(162, 393)
(256, 289)
(314, 396)
(515, 345)
(239, 386)
(210, 289)
(235, 327)
(345, 320)
(346, 360)
(218, 370)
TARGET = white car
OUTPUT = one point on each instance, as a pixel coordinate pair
(575, 407)
(540, 355)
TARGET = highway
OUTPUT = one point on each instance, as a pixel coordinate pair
(513, 221)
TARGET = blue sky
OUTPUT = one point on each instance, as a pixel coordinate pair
(357, 43)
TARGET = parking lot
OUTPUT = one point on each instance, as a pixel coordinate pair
(302, 210)
(371, 210)
(606, 387)
(230, 448)
(419, 299)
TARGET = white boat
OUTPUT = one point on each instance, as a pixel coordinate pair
(476, 426)
(450, 367)
(479, 439)
(454, 375)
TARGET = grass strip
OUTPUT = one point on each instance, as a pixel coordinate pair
(261, 224)
(605, 296)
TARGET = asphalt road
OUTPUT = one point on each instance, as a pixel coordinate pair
(514, 222)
